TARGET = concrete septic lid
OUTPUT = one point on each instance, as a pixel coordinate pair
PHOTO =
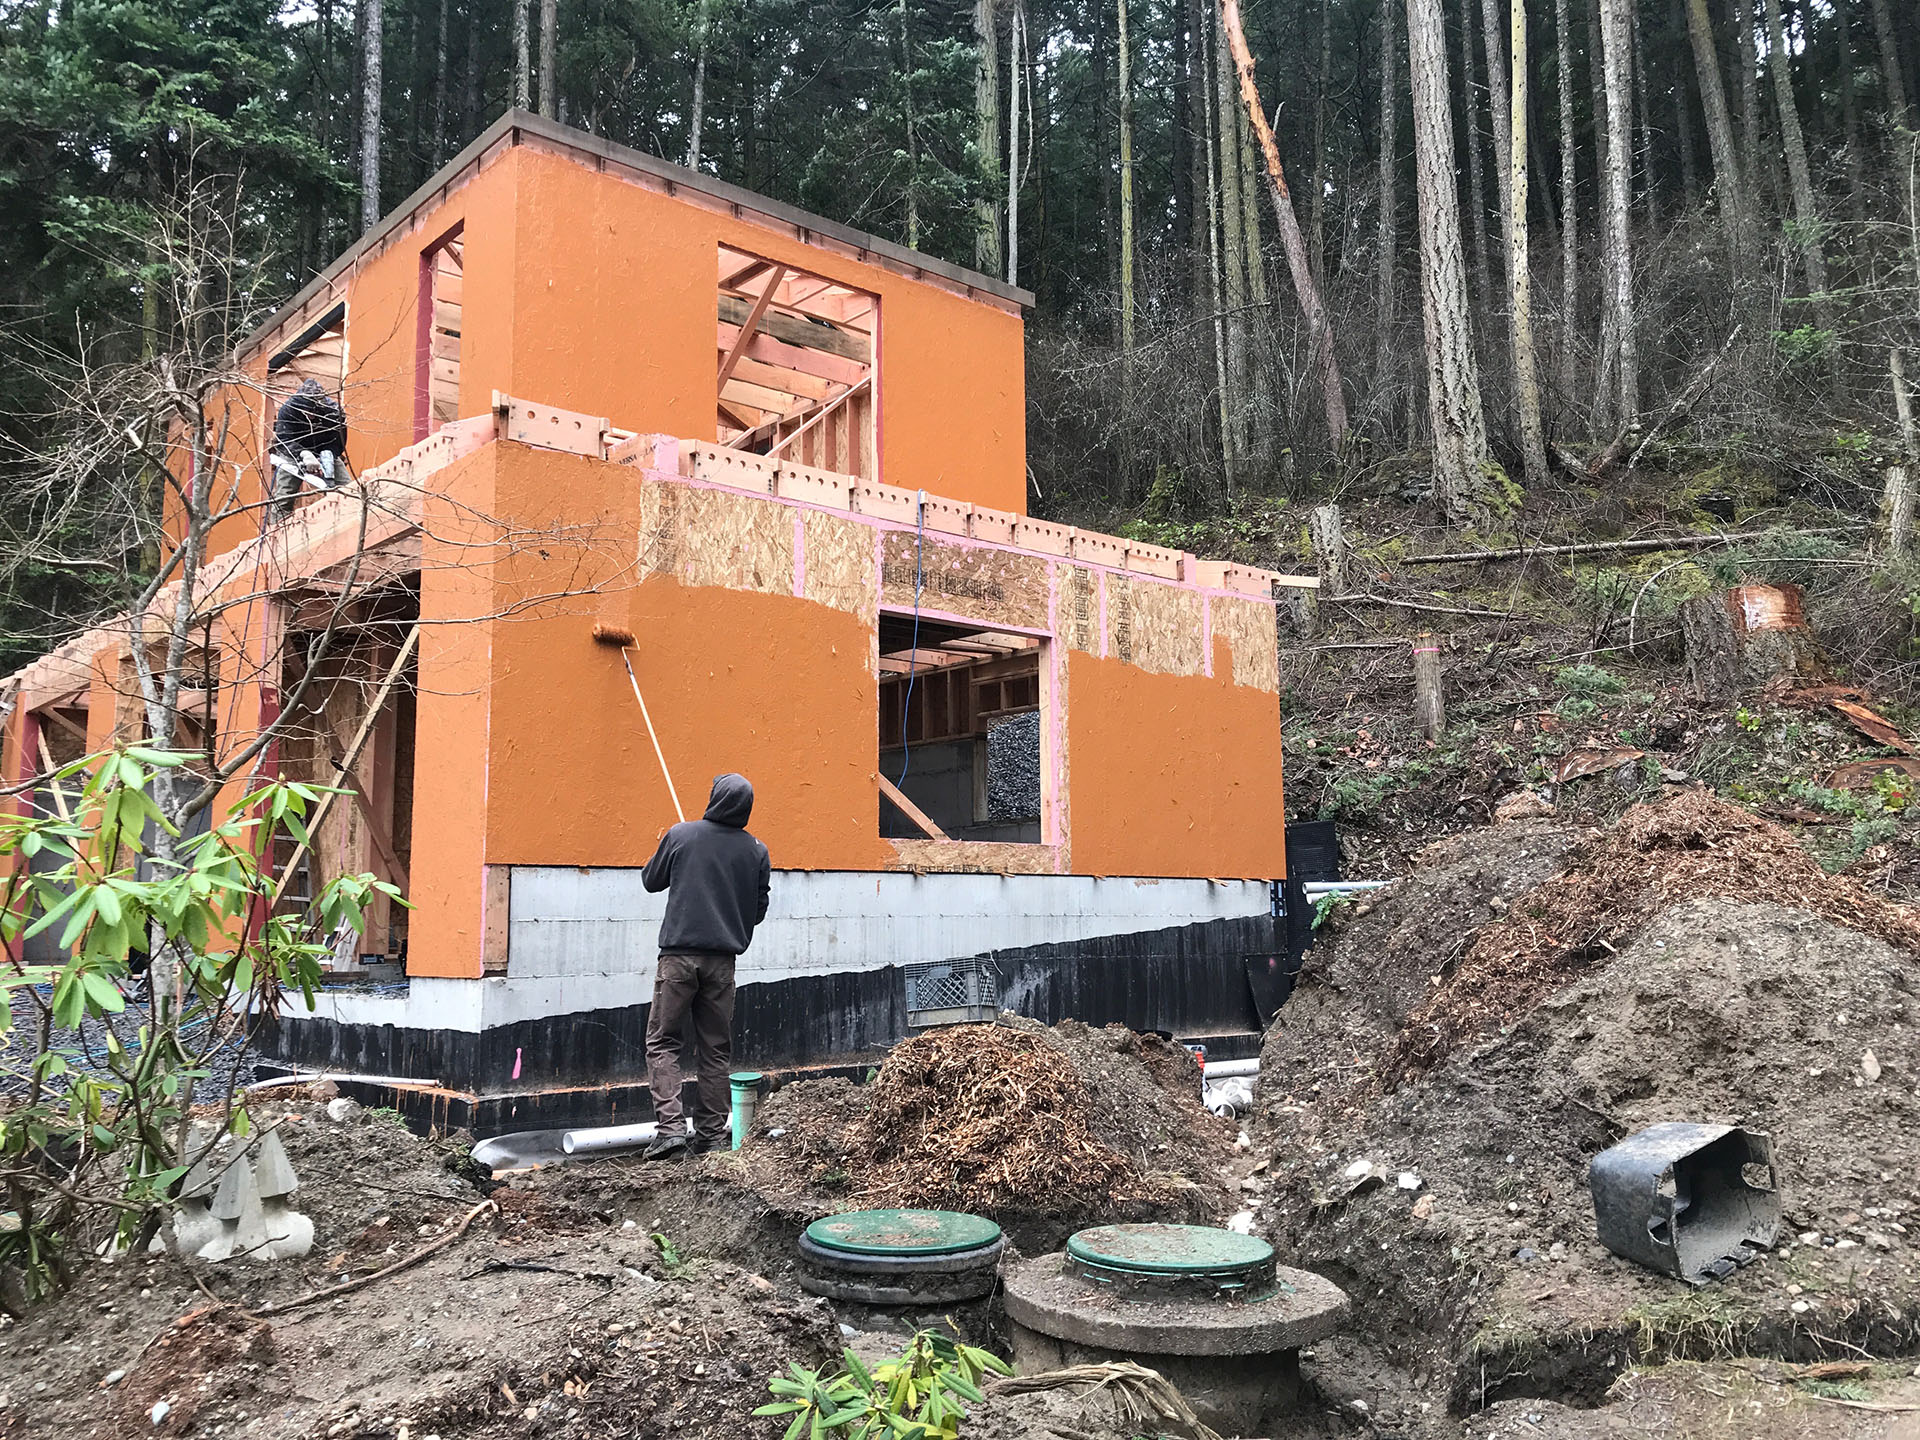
(1043, 1296)
(1169, 1249)
(896, 1232)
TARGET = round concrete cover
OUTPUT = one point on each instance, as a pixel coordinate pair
(1169, 1249)
(897, 1232)
(1043, 1296)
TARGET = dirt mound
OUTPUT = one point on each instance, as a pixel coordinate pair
(1687, 847)
(1481, 1264)
(1016, 1120)
(1374, 963)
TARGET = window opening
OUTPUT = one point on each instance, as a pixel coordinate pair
(967, 733)
(307, 441)
(796, 365)
(446, 284)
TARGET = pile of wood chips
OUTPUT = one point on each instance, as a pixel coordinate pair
(985, 1118)
(1692, 846)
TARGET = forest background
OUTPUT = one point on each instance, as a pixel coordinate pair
(1511, 240)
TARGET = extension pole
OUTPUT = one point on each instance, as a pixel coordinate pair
(658, 753)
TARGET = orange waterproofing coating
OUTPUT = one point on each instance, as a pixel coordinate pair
(531, 750)
(598, 294)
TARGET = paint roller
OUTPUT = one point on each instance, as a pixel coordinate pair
(621, 638)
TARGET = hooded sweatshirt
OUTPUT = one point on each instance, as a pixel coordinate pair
(717, 875)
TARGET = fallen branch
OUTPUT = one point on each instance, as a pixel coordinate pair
(1608, 547)
(346, 1286)
(1362, 597)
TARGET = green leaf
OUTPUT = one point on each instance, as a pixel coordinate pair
(103, 992)
(784, 1407)
(799, 1424)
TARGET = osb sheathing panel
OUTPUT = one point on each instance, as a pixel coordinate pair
(840, 561)
(1155, 627)
(1173, 775)
(1248, 627)
(714, 537)
(1080, 608)
(975, 857)
(1000, 587)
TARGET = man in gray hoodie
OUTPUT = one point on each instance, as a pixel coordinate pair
(718, 878)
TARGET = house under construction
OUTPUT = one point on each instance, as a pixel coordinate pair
(997, 760)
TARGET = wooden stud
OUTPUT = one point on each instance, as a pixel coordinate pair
(912, 811)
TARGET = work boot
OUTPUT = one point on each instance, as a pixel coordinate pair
(707, 1144)
(666, 1147)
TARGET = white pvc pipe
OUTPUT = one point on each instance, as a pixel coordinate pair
(601, 1139)
(1337, 887)
(1225, 1069)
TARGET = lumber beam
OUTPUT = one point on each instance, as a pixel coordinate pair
(806, 334)
(912, 811)
(756, 316)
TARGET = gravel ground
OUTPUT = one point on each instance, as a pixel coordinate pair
(1013, 769)
(85, 1050)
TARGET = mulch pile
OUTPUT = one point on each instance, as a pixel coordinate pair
(1692, 846)
(983, 1117)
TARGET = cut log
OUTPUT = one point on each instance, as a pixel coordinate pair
(1713, 654)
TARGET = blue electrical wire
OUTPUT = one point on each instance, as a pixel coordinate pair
(913, 655)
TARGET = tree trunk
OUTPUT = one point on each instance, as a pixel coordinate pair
(1126, 177)
(697, 117)
(986, 116)
(913, 133)
(1180, 122)
(1016, 72)
(1890, 77)
(1200, 88)
(1683, 119)
(1644, 109)
(1461, 464)
(522, 57)
(1384, 295)
(1223, 374)
(1903, 403)
(1757, 179)
(1614, 41)
(1499, 109)
(1319, 326)
(1569, 206)
(549, 58)
(370, 69)
(1317, 206)
(471, 57)
(1807, 220)
(1849, 109)
(1729, 181)
(1233, 253)
(1476, 185)
(1526, 376)
(1261, 386)
(440, 91)
(1898, 503)
(1604, 356)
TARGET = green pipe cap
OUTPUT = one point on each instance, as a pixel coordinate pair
(903, 1232)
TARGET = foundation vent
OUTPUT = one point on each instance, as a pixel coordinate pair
(951, 992)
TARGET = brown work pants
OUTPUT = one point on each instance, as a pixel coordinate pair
(700, 986)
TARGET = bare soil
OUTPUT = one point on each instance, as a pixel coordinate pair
(1453, 1204)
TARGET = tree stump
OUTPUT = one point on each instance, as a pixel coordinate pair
(1713, 651)
(1899, 509)
(1331, 554)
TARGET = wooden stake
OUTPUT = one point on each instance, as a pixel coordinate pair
(1429, 703)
